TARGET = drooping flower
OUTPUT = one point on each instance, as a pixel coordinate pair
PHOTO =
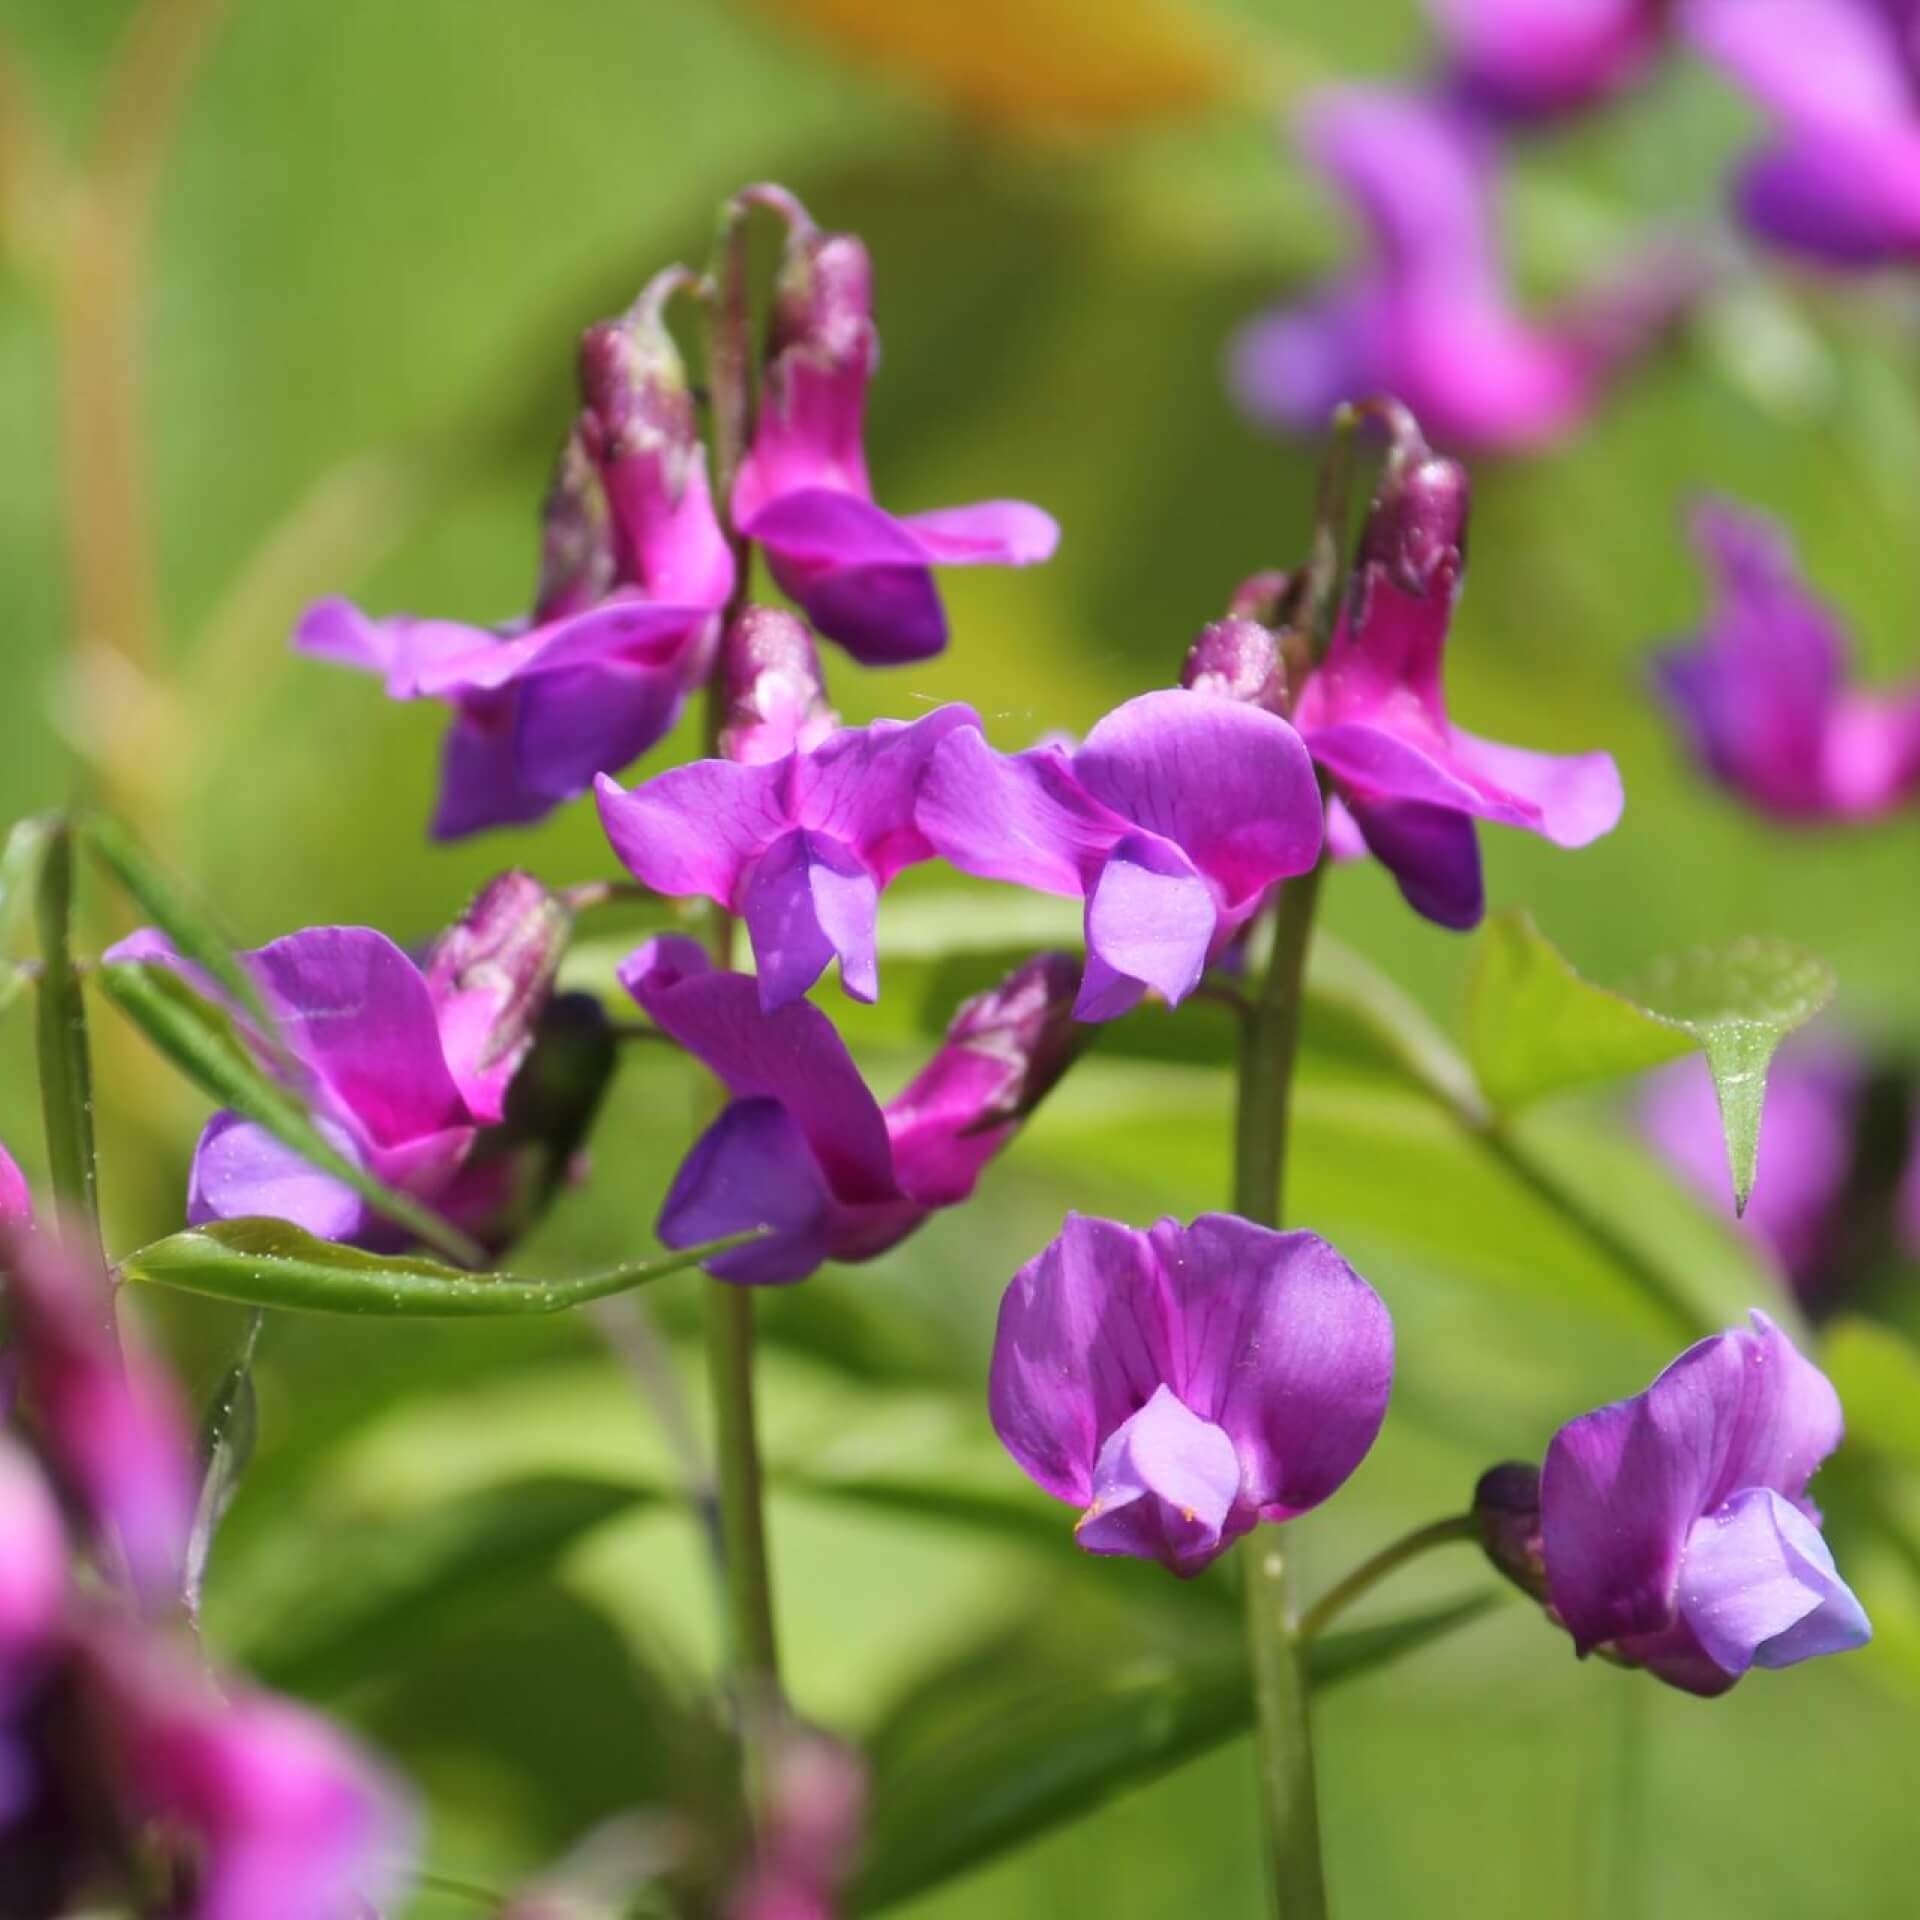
(1840, 180)
(1536, 59)
(801, 847)
(1373, 713)
(1763, 694)
(863, 575)
(1429, 317)
(803, 1148)
(1184, 1383)
(403, 1066)
(1171, 820)
(1675, 1531)
(634, 571)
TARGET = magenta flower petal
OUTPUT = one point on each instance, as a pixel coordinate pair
(809, 900)
(1858, 79)
(1164, 1487)
(1150, 921)
(241, 1170)
(33, 1575)
(480, 784)
(16, 1198)
(1533, 58)
(693, 830)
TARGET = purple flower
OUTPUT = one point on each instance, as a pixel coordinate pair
(809, 1834)
(801, 848)
(1183, 1383)
(1535, 59)
(1373, 714)
(1430, 318)
(863, 575)
(1763, 696)
(1840, 180)
(803, 1147)
(1172, 819)
(625, 618)
(1675, 1528)
(16, 1201)
(33, 1586)
(403, 1068)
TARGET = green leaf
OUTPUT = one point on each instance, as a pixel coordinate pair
(271, 1263)
(384, 1588)
(1535, 1027)
(190, 926)
(1875, 1369)
(66, 1073)
(227, 1434)
(1023, 1755)
(20, 864)
(203, 1042)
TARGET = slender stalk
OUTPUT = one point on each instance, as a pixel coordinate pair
(66, 1073)
(1369, 1573)
(1269, 1044)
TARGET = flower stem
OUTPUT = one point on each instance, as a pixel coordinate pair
(1369, 1573)
(1282, 1729)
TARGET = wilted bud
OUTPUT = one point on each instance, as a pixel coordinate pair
(490, 975)
(816, 1801)
(1417, 524)
(1267, 596)
(1506, 1506)
(776, 697)
(576, 536)
(1238, 659)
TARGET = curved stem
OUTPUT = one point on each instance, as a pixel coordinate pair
(1369, 1573)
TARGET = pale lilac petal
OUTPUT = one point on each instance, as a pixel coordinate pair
(1230, 785)
(353, 1007)
(579, 723)
(1150, 921)
(1759, 1587)
(1432, 852)
(1293, 366)
(999, 533)
(400, 648)
(860, 786)
(1082, 1345)
(1577, 797)
(1870, 758)
(695, 829)
(33, 1574)
(1857, 77)
(1022, 818)
(809, 900)
(1164, 1487)
(241, 1170)
(1277, 1340)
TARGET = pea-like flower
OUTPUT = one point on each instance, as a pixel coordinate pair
(800, 847)
(1763, 693)
(1840, 180)
(1171, 820)
(634, 572)
(803, 1148)
(1528, 60)
(1429, 317)
(863, 575)
(1374, 714)
(1675, 1531)
(1183, 1384)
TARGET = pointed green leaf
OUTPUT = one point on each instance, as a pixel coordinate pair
(270, 1263)
(227, 1434)
(20, 864)
(203, 1042)
(66, 1072)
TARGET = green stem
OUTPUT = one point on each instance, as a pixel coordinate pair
(1283, 1736)
(1369, 1573)
(66, 1073)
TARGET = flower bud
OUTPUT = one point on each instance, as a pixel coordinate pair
(1417, 524)
(776, 697)
(1267, 596)
(1506, 1505)
(815, 1808)
(490, 975)
(1238, 659)
(576, 536)
(1024, 1028)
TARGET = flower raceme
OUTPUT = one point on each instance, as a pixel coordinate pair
(863, 575)
(635, 569)
(1673, 1531)
(1171, 820)
(1763, 696)
(803, 1148)
(1182, 1384)
(405, 1066)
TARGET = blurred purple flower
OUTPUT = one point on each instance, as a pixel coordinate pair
(16, 1202)
(1675, 1527)
(1184, 1383)
(1536, 59)
(1429, 318)
(1373, 713)
(635, 569)
(1763, 694)
(1171, 820)
(804, 1148)
(809, 1833)
(863, 575)
(1840, 180)
(801, 848)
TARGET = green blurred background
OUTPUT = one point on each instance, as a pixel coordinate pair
(378, 228)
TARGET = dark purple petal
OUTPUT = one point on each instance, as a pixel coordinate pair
(1230, 785)
(1844, 200)
(694, 829)
(1529, 58)
(241, 1170)
(574, 725)
(1164, 1488)
(1759, 1588)
(809, 900)
(480, 783)
(1281, 1343)
(1150, 920)
(1432, 852)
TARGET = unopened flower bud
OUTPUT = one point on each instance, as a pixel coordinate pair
(1267, 596)
(823, 298)
(776, 698)
(1417, 524)
(576, 536)
(1024, 1029)
(1238, 659)
(1506, 1505)
(816, 1806)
